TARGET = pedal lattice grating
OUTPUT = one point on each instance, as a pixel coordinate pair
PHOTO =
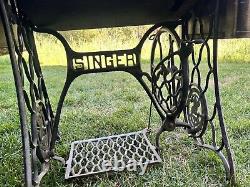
(116, 153)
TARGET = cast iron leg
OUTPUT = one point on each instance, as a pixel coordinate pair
(196, 111)
(36, 115)
(20, 96)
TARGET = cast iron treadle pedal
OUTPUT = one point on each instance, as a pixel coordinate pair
(112, 153)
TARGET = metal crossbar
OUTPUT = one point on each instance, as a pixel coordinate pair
(112, 153)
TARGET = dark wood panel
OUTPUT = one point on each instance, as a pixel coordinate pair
(243, 17)
(82, 14)
(234, 19)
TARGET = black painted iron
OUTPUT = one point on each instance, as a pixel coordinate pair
(201, 120)
(175, 87)
(35, 101)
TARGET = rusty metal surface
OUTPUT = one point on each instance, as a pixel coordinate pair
(3, 45)
(2, 36)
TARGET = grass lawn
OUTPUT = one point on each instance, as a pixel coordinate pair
(113, 103)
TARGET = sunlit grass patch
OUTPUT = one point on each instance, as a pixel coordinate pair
(51, 51)
(113, 103)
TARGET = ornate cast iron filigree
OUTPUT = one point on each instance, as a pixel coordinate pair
(169, 73)
(35, 110)
(171, 93)
(43, 131)
(37, 103)
(202, 119)
(166, 73)
(195, 111)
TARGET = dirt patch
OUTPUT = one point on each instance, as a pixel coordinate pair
(229, 80)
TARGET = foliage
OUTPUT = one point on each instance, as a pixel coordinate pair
(52, 53)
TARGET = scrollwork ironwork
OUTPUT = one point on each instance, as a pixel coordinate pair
(195, 111)
(174, 89)
(166, 73)
(34, 105)
(203, 120)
